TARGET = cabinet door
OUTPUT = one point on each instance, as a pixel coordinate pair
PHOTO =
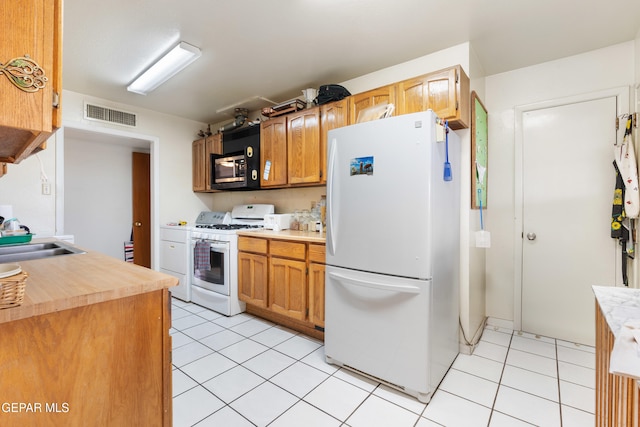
(173, 256)
(446, 92)
(212, 145)
(199, 174)
(303, 145)
(252, 279)
(360, 101)
(273, 152)
(441, 93)
(413, 95)
(316, 294)
(332, 116)
(288, 287)
(30, 28)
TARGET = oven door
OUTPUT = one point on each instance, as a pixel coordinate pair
(210, 268)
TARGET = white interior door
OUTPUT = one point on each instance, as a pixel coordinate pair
(567, 189)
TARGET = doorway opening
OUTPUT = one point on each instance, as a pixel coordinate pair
(95, 179)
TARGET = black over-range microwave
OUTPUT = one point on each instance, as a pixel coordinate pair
(238, 168)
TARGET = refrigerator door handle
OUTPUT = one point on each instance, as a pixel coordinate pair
(405, 289)
(331, 240)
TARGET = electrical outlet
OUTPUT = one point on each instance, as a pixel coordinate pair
(46, 188)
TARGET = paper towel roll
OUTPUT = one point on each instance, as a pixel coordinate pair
(6, 211)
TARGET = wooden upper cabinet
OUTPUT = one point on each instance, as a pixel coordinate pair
(214, 144)
(360, 101)
(197, 171)
(332, 116)
(273, 152)
(446, 92)
(303, 144)
(201, 158)
(31, 33)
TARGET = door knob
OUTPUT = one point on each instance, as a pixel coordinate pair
(531, 236)
(137, 224)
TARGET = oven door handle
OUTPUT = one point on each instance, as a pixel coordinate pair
(222, 247)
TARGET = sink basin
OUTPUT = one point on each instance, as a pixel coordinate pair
(13, 253)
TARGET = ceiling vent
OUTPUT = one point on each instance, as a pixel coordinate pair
(108, 115)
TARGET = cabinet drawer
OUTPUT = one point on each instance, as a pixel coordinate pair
(286, 249)
(173, 234)
(251, 244)
(173, 256)
(316, 253)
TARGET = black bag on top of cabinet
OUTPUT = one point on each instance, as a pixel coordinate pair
(329, 93)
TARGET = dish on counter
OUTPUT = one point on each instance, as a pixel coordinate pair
(7, 270)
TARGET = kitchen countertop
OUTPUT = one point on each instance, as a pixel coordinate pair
(68, 281)
(306, 236)
(618, 305)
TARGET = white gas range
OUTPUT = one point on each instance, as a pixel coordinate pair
(214, 256)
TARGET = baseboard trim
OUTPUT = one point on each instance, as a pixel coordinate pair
(500, 323)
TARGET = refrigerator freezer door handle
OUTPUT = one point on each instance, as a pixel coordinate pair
(331, 235)
(406, 289)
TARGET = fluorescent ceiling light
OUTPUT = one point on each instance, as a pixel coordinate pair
(166, 67)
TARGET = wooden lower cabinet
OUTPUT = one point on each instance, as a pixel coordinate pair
(293, 294)
(105, 364)
(316, 294)
(316, 284)
(288, 287)
(252, 278)
(617, 397)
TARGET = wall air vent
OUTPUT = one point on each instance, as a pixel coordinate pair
(108, 115)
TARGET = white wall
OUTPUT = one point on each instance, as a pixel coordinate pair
(284, 200)
(171, 139)
(92, 168)
(22, 188)
(637, 63)
(601, 69)
(442, 59)
(637, 81)
(174, 135)
(476, 290)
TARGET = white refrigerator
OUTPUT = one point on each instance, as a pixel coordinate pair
(393, 249)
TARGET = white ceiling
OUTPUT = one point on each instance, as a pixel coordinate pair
(274, 49)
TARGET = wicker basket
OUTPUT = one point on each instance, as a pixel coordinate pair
(12, 290)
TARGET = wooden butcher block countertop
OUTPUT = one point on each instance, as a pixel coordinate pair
(68, 281)
(305, 236)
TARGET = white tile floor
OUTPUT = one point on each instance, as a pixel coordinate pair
(245, 371)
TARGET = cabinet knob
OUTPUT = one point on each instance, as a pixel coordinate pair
(531, 236)
(137, 224)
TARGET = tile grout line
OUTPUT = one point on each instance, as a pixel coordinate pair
(504, 365)
(265, 380)
(558, 373)
(369, 394)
